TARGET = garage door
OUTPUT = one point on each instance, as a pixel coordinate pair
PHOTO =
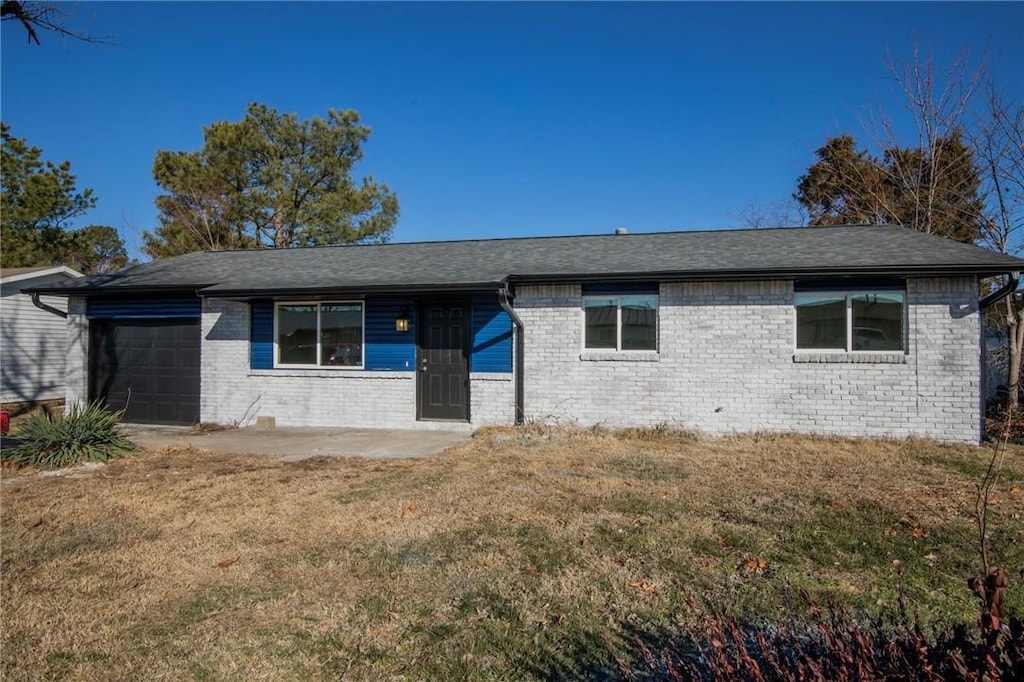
(149, 367)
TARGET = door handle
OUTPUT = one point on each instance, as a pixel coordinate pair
(423, 365)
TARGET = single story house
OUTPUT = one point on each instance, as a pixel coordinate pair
(857, 330)
(33, 342)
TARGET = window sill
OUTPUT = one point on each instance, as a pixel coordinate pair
(855, 358)
(620, 356)
(319, 373)
(490, 376)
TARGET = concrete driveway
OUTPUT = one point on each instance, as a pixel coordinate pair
(295, 443)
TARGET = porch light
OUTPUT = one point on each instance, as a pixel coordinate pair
(402, 321)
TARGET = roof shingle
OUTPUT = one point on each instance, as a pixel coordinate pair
(475, 264)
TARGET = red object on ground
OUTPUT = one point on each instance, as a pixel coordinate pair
(5, 423)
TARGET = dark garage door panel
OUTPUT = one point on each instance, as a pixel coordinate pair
(150, 367)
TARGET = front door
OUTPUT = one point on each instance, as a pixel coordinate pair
(443, 387)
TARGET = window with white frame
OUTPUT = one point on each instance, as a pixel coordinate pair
(851, 321)
(620, 323)
(319, 334)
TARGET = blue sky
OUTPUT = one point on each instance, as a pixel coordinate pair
(493, 119)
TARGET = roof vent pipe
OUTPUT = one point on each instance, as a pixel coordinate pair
(620, 230)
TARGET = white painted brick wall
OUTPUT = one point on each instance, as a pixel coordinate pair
(492, 399)
(727, 364)
(76, 380)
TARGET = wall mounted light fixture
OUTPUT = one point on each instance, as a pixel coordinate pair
(402, 321)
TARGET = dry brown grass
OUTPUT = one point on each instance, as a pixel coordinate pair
(506, 558)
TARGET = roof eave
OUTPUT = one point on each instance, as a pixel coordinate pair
(252, 293)
(218, 291)
(44, 272)
(115, 290)
(780, 273)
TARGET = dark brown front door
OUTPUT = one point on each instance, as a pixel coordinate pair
(443, 385)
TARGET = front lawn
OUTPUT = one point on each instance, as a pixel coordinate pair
(523, 554)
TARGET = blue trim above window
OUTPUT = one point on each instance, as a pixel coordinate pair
(854, 284)
(492, 336)
(615, 288)
(124, 308)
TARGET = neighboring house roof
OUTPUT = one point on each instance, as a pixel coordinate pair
(477, 264)
(10, 275)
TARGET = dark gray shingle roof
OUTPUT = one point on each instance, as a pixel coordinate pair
(726, 254)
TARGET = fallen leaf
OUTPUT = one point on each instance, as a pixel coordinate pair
(409, 511)
(644, 586)
(918, 532)
(837, 505)
(890, 531)
(226, 563)
(530, 570)
(755, 565)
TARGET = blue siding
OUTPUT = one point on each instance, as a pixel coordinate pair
(124, 308)
(387, 349)
(390, 350)
(261, 335)
(492, 336)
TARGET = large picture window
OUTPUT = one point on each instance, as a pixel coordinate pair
(319, 334)
(851, 321)
(620, 322)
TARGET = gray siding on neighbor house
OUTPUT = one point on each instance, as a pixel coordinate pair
(32, 343)
(727, 363)
(233, 393)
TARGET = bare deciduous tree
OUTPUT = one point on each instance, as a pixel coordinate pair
(45, 16)
(998, 140)
(938, 107)
(775, 214)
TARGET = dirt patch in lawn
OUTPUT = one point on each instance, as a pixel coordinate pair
(517, 555)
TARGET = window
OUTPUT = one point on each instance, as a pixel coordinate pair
(620, 322)
(319, 334)
(848, 321)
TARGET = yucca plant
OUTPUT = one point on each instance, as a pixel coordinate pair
(88, 433)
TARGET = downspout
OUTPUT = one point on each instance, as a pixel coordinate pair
(1013, 279)
(48, 308)
(1002, 292)
(518, 363)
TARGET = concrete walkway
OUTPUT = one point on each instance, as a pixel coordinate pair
(295, 443)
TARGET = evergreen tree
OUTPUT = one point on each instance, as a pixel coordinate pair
(38, 201)
(270, 180)
(935, 190)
